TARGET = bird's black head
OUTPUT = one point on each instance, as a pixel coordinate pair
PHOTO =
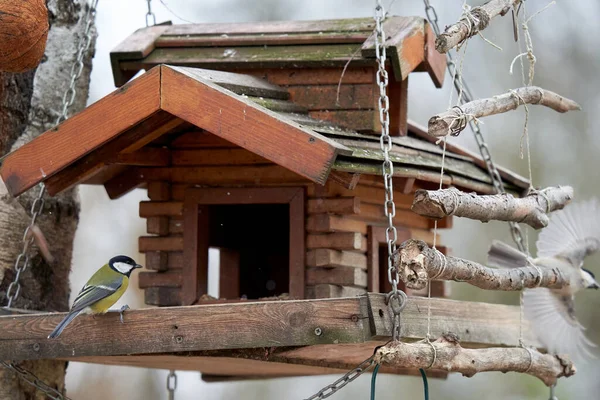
(123, 264)
(591, 279)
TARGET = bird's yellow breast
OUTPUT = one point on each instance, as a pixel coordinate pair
(103, 305)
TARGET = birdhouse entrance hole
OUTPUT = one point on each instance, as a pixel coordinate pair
(259, 234)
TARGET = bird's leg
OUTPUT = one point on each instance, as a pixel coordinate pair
(121, 311)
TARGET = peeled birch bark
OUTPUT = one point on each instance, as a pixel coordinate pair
(531, 210)
(466, 27)
(450, 356)
(455, 120)
(417, 263)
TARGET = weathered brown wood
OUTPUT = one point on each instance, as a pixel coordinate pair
(435, 63)
(376, 268)
(136, 46)
(167, 243)
(372, 212)
(344, 276)
(199, 139)
(358, 120)
(366, 194)
(159, 279)
(327, 97)
(342, 205)
(229, 274)
(158, 225)
(146, 156)
(325, 223)
(157, 260)
(162, 296)
(196, 219)
(55, 149)
(164, 208)
(297, 246)
(216, 157)
(326, 291)
(335, 258)
(115, 187)
(159, 191)
(337, 241)
(347, 180)
(271, 137)
(175, 225)
(398, 95)
(314, 76)
(206, 327)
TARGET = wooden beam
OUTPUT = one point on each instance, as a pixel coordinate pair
(115, 187)
(159, 191)
(166, 243)
(216, 157)
(145, 157)
(325, 223)
(55, 149)
(340, 205)
(250, 126)
(163, 208)
(347, 180)
(229, 274)
(338, 241)
(335, 258)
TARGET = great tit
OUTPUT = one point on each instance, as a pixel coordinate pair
(101, 291)
(571, 235)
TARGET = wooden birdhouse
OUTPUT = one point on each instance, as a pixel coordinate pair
(260, 140)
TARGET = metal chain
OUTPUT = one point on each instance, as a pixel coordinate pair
(344, 380)
(467, 96)
(22, 261)
(171, 384)
(150, 14)
(33, 380)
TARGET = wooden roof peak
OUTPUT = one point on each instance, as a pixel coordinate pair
(156, 103)
(281, 44)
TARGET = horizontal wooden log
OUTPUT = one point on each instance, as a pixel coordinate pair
(158, 225)
(344, 276)
(366, 194)
(447, 354)
(349, 180)
(115, 187)
(157, 209)
(175, 226)
(335, 258)
(468, 26)
(455, 120)
(531, 210)
(330, 97)
(338, 241)
(164, 260)
(417, 263)
(146, 156)
(162, 296)
(199, 139)
(159, 191)
(166, 243)
(373, 212)
(325, 223)
(216, 157)
(343, 205)
(159, 279)
(327, 291)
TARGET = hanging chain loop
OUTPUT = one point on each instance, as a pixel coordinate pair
(466, 96)
(344, 380)
(171, 384)
(33, 380)
(150, 15)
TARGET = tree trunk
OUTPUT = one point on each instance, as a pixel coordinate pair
(29, 105)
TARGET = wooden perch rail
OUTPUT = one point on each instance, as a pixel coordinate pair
(471, 23)
(416, 263)
(452, 357)
(455, 120)
(531, 210)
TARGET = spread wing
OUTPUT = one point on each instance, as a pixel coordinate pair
(573, 232)
(553, 320)
(90, 294)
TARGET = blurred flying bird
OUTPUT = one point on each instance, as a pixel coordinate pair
(572, 234)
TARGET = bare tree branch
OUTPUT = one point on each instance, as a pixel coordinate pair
(471, 22)
(450, 356)
(455, 120)
(417, 263)
(531, 210)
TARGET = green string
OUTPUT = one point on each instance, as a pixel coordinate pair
(425, 384)
(373, 378)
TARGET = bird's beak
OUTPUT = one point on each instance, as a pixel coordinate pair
(594, 286)
(138, 266)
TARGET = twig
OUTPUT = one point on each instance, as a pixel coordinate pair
(447, 354)
(531, 210)
(471, 23)
(416, 263)
(455, 120)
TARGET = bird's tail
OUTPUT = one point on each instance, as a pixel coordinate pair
(502, 255)
(63, 324)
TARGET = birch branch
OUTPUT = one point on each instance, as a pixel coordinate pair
(417, 263)
(455, 120)
(452, 357)
(471, 23)
(531, 210)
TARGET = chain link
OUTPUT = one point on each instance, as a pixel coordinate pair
(171, 384)
(150, 14)
(467, 96)
(344, 380)
(33, 380)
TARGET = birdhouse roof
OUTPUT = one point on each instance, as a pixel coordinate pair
(283, 44)
(132, 128)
